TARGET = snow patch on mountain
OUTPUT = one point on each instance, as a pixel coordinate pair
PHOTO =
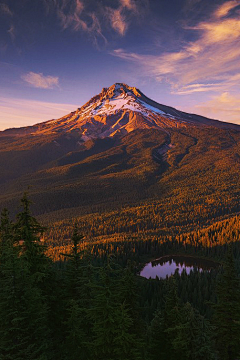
(120, 102)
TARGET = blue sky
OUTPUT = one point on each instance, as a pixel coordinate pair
(56, 54)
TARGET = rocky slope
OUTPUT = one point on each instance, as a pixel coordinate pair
(117, 110)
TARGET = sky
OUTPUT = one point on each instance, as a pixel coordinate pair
(57, 54)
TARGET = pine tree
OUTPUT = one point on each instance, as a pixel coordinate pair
(193, 336)
(128, 294)
(227, 311)
(77, 295)
(27, 232)
(102, 315)
(112, 321)
(171, 318)
(163, 331)
(156, 336)
(74, 266)
(12, 338)
(125, 342)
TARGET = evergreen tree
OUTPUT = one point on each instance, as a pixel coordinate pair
(193, 336)
(28, 232)
(12, 339)
(156, 335)
(171, 318)
(127, 293)
(77, 295)
(36, 287)
(227, 311)
(74, 266)
(126, 346)
(162, 330)
(112, 322)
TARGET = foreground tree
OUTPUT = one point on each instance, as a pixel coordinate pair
(112, 320)
(193, 336)
(163, 331)
(12, 338)
(157, 337)
(24, 290)
(227, 311)
(76, 324)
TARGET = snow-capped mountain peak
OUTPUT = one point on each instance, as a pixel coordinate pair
(118, 97)
(117, 110)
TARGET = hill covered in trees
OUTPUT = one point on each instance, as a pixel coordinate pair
(138, 178)
(93, 304)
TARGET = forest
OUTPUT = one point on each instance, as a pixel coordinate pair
(90, 302)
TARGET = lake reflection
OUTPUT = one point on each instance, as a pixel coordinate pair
(167, 265)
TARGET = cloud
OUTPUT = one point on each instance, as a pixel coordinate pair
(94, 17)
(225, 8)
(209, 61)
(129, 4)
(12, 32)
(117, 20)
(4, 9)
(21, 112)
(70, 15)
(224, 107)
(38, 80)
(74, 15)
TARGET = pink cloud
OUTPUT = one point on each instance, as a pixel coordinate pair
(38, 80)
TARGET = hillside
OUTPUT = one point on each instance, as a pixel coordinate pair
(158, 172)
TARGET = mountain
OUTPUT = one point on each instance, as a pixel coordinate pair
(124, 159)
(117, 110)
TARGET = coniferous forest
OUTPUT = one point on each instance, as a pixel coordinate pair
(119, 177)
(92, 304)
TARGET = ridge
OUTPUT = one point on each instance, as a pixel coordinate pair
(118, 110)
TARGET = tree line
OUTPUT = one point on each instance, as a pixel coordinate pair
(93, 305)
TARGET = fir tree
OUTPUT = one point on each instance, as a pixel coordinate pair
(127, 293)
(36, 287)
(28, 232)
(227, 311)
(162, 331)
(156, 337)
(193, 336)
(112, 321)
(12, 339)
(77, 295)
(171, 318)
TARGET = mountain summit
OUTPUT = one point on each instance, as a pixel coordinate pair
(123, 149)
(118, 110)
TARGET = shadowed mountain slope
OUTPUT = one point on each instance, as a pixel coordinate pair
(122, 152)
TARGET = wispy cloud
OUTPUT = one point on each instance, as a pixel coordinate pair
(74, 15)
(129, 4)
(5, 10)
(38, 80)
(11, 31)
(224, 107)
(70, 15)
(96, 17)
(119, 18)
(201, 65)
(21, 112)
(225, 8)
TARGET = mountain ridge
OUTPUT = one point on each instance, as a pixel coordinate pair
(117, 110)
(186, 175)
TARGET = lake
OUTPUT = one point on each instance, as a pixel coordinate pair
(167, 265)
